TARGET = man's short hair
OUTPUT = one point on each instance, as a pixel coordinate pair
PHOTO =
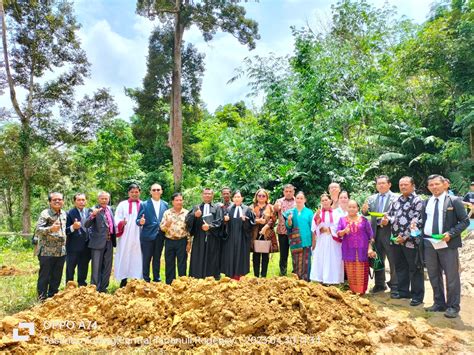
(382, 177)
(207, 189)
(434, 177)
(134, 186)
(176, 194)
(78, 194)
(103, 193)
(226, 188)
(289, 186)
(50, 195)
(412, 181)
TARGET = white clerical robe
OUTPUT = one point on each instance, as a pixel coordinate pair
(128, 256)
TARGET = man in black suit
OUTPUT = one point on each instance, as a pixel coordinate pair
(78, 253)
(446, 215)
(102, 241)
(381, 202)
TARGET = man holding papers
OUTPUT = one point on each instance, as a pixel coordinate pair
(443, 219)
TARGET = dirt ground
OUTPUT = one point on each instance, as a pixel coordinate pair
(459, 331)
(11, 271)
(272, 315)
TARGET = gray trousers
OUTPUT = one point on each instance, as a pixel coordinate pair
(384, 249)
(102, 266)
(447, 260)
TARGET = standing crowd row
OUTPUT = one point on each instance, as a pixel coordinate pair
(335, 243)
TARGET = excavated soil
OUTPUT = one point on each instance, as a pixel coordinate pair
(466, 258)
(10, 271)
(253, 315)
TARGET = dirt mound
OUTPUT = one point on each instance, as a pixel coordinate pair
(466, 259)
(277, 315)
(10, 271)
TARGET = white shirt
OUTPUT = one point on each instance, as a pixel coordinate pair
(156, 206)
(206, 211)
(238, 212)
(430, 214)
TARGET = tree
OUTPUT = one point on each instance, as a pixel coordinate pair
(208, 16)
(43, 41)
(110, 160)
(151, 121)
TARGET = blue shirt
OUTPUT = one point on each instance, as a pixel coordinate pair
(302, 220)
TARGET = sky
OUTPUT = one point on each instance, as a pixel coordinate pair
(116, 43)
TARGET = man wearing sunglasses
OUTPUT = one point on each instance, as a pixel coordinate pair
(152, 239)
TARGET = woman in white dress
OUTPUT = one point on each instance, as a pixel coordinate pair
(327, 266)
(343, 202)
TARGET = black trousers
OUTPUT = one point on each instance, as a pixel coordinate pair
(102, 266)
(49, 276)
(384, 249)
(447, 260)
(151, 253)
(79, 259)
(284, 252)
(175, 250)
(408, 273)
(260, 259)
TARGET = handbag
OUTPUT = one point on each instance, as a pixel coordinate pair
(262, 246)
(34, 238)
(376, 263)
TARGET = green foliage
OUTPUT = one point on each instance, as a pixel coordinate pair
(111, 159)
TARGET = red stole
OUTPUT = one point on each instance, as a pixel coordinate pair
(121, 224)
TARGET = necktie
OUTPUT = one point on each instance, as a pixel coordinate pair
(83, 220)
(381, 203)
(435, 229)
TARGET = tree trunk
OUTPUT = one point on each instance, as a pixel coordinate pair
(25, 130)
(472, 141)
(26, 181)
(176, 122)
(7, 198)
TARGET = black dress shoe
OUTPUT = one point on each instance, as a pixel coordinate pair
(376, 289)
(395, 296)
(415, 303)
(435, 308)
(451, 313)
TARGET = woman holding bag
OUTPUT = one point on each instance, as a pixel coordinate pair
(298, 224)
(263, 235)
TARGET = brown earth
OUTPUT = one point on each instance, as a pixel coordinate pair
(10, 271)
(270, 315)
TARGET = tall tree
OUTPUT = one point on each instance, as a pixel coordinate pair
(151, 121)
(209, 16)
(48, 63)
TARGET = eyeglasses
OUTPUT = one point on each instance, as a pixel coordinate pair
(261, 195)
(154, 190)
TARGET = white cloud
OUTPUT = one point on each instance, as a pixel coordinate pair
(117, 61)
(116, 43)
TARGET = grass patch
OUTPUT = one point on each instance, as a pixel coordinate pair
(18, 292)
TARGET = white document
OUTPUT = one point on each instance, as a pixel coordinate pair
(438, 244)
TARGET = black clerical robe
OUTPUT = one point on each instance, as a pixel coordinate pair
(205, 252)
(235, 258)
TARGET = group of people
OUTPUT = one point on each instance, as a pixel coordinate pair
(335, 243)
